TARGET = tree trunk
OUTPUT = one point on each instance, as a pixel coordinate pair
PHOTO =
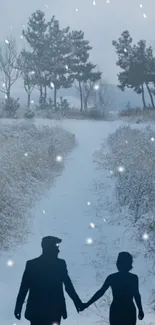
(41, 95)
(151, 96)
(55, 98)
(28, 99)
(45, 93)
(81, 97)
(143, 98)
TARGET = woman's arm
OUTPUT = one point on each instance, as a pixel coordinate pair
(137, 295)
(100, 292)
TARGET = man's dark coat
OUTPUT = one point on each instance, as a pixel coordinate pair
(44, 280)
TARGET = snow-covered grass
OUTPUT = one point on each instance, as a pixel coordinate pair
(138, 115)
(28, 164)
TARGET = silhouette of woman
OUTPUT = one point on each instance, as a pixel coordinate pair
(125, 287)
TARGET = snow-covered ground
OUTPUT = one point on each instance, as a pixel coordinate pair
(65, 211)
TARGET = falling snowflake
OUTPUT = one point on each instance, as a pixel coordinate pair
(141, 6)
(94, 3)
(3, 85)
(11, 27)
(144, 15)
(89, 241)
(59, 158)
(126, 141)
(111, 172)
(125, 50)
(152, 139)
(145, 236)
(66, 67)
(52, 85)
(96, 87)
(104, 220)
(6, 41)
(46, 6)
(44, 211)
(10, 263)
(92, 225)
(108, 1)
(6, 96)
(21, 36)
(32, 73)
(121, 169)
(88, 203)
(32, 101)
(77, 9)
(25, 154)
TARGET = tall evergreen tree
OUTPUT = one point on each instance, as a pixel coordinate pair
(82, 70)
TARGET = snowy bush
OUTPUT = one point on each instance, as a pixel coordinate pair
(29, 113)
(26, 167)
(9, 108)
(131, 159)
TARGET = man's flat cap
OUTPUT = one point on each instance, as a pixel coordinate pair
(50, 241)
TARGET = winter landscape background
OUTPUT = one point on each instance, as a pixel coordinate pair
(82, 169)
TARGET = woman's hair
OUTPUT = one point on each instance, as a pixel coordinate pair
(124, 261)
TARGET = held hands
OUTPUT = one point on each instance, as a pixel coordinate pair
(141, 315)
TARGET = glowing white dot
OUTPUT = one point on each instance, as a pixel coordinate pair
(46, 6)
(3, 85)
(125, 50)
(32, 101)
(6, 96)
(10, 263)
(145, 236)
(94, 3)
(89, 241)
(126, 141)
(21, 36)
(66, 67)
(77, 9)
(111, 172)
(32, 73)
(141, 6)
(104, 220)
(144, 15)
(121, 169)
(25, 154)
(6, 41)
(58, 158)
(88, 203)
(92, 225)
(108, 1)
(52, 85)
(44, 211)
(152, 139)
(96, 87)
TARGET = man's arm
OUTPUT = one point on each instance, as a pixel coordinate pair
(23, 290)
(70, 288)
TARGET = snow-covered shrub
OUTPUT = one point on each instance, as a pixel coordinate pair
(130, 159)
(9, 108)
(26, 168)
(29, 113)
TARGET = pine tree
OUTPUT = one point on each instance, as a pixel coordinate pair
(35, 35)
(58, 58)
(81, 68)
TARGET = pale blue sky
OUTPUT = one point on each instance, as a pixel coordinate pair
(101, 23)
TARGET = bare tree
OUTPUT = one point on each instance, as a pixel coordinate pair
(98, 94)
(9, 71)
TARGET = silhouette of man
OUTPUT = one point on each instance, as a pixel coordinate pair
(43, 278)
(125, 288)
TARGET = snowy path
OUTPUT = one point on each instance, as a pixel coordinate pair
(68, 215)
